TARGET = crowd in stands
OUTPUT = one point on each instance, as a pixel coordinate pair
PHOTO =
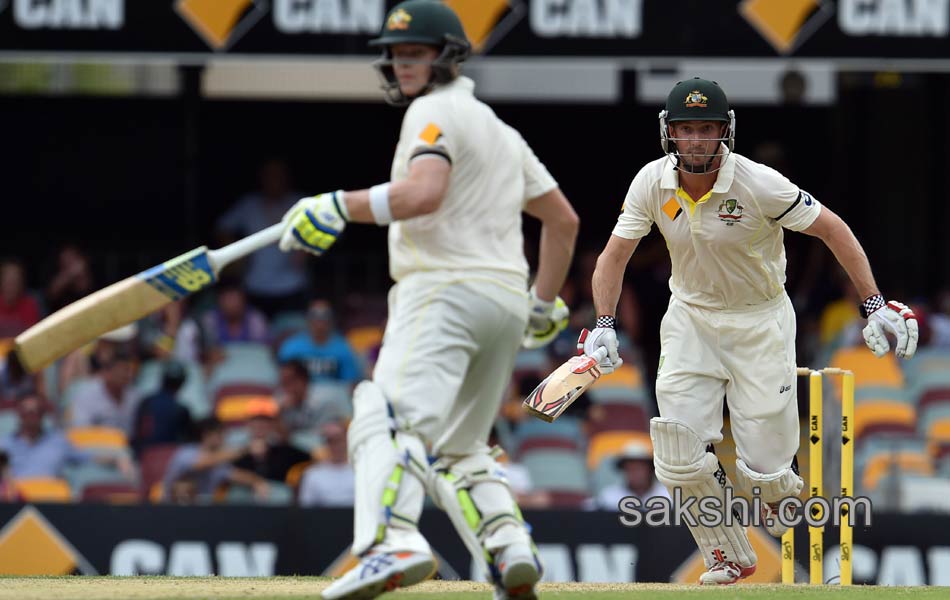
(243, 393)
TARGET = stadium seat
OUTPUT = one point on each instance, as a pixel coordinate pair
(619, 395)
(535, 443)
(882, 416)
(928, 359)
(868, 369)
(306, 441)
(904, 462)
(617, 417)
(627, 376)
(567, 500)
(237, 408)
(279, 494)
(152, 464)
(111, 493)
(926, 391)
(565, 426)
(90, 473)
(606, 474)
(873, 393)
(9, 421)
(556, 470)
(938, 436)
(285, 324)
(98, 438)
(608, 444)
(363, 339)
(931, 414)
(243, 368)
(44, 489)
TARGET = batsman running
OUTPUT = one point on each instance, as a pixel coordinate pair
(458, 312)
(729, 329)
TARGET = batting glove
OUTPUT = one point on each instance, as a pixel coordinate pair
(894, 318)
(601, 337)
(546, 319)
(314, 224)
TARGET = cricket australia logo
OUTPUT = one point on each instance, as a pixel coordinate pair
(696, 98)
(730, 211)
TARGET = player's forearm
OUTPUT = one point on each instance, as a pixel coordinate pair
(608, 274)
(420, 193)
(555, 252)
(850, 255)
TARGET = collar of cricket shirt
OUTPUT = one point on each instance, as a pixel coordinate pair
(460, 83)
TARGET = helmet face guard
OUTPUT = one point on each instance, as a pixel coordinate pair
(453, 52)
(725, 147)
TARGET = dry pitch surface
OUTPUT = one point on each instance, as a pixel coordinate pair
(274, 588)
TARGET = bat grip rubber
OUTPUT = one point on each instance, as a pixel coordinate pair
(599, 354)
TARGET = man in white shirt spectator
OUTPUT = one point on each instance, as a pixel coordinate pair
(329, 483)
(108, 398)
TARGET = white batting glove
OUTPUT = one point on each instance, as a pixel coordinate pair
(314, 223)
(601, 337)
(894, 318)
(545, 321)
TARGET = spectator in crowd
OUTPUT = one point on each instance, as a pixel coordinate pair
(88, 360)
(36, 452)
(18, 310)
(268, 456)
(72, 280)
(635, 463)
(107, 398)
(196, 471)
(232, 320)
(171, 333)
(330, 482)
(275, 281)
(326, 353)
(160, 418)
(8, 492)
(303, 408)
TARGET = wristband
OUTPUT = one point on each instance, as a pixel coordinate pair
(379, 204)
(607, 322)
(871, 304)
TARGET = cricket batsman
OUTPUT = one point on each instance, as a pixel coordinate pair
(729, 329)
(458, 312)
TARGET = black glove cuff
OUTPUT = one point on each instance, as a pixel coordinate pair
(606, 321)
(871, 304)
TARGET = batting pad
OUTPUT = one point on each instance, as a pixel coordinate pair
(473, 491)
(390, 470)
(681, 461)
(772, 486)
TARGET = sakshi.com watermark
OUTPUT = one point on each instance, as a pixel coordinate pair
(712, 511)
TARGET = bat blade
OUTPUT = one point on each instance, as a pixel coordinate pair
(562, 387)
(114, 306)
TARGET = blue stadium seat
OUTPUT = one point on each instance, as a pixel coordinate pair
(557, 470)
(193, 394)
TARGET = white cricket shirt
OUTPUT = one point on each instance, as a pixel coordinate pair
(727, 247)
(477, 229)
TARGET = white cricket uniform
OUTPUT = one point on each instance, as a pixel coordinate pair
(730, 327)
(458, 311)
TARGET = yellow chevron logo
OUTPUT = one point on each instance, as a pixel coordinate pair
(785, 24)
(220, 22)
(486, 20)
(30, 545)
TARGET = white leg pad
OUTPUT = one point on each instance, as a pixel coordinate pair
(390, 469)
(681, 461)
(474, 493)
(772, 486)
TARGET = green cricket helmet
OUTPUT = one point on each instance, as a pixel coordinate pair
(697, 99)
(428, 22)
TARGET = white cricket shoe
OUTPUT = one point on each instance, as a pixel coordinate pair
(725, 573)
(520, 570)
(770, 514)
(378, 573)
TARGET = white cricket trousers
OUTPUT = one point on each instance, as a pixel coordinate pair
(746, 356)
(447, 356)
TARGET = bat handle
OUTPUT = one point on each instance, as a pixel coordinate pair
(599, 354)
(230, 253)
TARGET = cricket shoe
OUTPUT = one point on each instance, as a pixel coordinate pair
(770, 514)
(518, 571)
(725, 573)
(378, 573)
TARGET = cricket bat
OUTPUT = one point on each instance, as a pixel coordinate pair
(130, 299)
(564, 385)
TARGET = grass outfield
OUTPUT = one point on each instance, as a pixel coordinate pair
(275, 588)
